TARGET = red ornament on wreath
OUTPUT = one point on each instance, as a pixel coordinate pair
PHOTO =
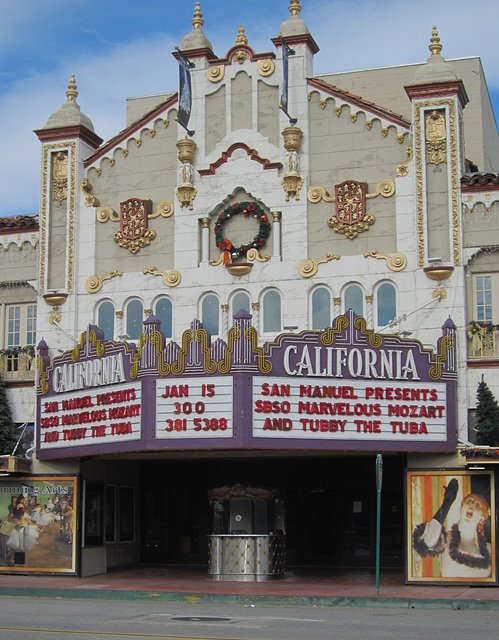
(247, 209)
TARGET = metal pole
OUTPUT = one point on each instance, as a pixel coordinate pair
(379, 482)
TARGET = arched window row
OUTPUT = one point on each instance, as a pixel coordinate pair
(353, 296)
(269, 320)
(128, 324)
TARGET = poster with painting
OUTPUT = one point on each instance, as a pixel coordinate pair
(451, 527)
(38, 524)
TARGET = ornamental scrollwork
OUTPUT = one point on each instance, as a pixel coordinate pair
(309, 267)
(254, 254)
(265, 67)
(94, 283)
(396, 262)
(90, 200)
(170, 278)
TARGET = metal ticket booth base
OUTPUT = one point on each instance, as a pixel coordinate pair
(246, 558)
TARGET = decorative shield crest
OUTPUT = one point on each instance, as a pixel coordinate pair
(350, 201)
(351, 218)
(134, 233)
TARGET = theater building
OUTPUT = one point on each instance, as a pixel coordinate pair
(256, 289)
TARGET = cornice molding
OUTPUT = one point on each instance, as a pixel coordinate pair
(305, 39)
(69, 133)
(438, 90)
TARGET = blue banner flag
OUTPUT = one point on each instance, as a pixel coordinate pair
(184, 91)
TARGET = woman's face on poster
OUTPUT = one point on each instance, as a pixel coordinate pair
(474, 511)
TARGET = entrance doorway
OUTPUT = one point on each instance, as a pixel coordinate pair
(330, 506)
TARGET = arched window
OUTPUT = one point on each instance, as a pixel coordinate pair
(105, 320)
(164, 313)
(321, 309)
(134, 311)
(271, 312)
(386, 302)
(354, 299)
(210, 314)
(240, 302)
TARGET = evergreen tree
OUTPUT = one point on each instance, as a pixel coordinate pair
(487, 412)
(8, 434)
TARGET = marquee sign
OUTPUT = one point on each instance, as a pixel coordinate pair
(340, 389)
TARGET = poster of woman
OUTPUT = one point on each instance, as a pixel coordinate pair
(451, 527)
(37, 524)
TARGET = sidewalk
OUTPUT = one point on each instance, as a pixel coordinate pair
(313, 587)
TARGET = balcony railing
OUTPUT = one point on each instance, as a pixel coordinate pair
(17, 364)
(483, 340)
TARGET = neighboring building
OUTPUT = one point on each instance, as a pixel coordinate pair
(18, 304)
(267, 303)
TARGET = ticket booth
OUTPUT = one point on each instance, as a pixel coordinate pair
(248, 542)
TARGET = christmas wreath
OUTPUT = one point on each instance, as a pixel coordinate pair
(247, 209)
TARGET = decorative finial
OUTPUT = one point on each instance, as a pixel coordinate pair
(294, 8)
(71, 93)
(241, 38)
(435, 47)
(197, 20)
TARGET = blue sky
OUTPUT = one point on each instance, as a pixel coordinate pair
(122, 48)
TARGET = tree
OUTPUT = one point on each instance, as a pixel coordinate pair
(8, 434)
(487, 413)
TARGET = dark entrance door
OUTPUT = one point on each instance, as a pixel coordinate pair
(330, 507)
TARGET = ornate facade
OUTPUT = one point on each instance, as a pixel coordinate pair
(331, 241)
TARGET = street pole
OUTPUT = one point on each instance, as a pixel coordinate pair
(379, 482)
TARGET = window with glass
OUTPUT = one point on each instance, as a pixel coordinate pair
(321, 309)
(271, 312)
(105, 320)
(20, 325)
(386, 303)
(240, 302)
(164, 313)
(483, 294)
(210, 314)
(354, 299)
(482, 327)
(134, 313)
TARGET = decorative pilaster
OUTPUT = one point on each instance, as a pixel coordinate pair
(438, 99)
(205, 240)
(276, 235)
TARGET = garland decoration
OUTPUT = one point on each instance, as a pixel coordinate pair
(480, 452)
(247, 209)
(477, 330)
(15, 351)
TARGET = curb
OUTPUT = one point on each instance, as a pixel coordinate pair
(246, 600)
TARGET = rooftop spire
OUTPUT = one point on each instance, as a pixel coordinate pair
(241, 38)
(71, 93)
(435, 47)
(196, 38)
(70, 113)
(294, 8)
(436, 69)
(294, 25)
(197, 19)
